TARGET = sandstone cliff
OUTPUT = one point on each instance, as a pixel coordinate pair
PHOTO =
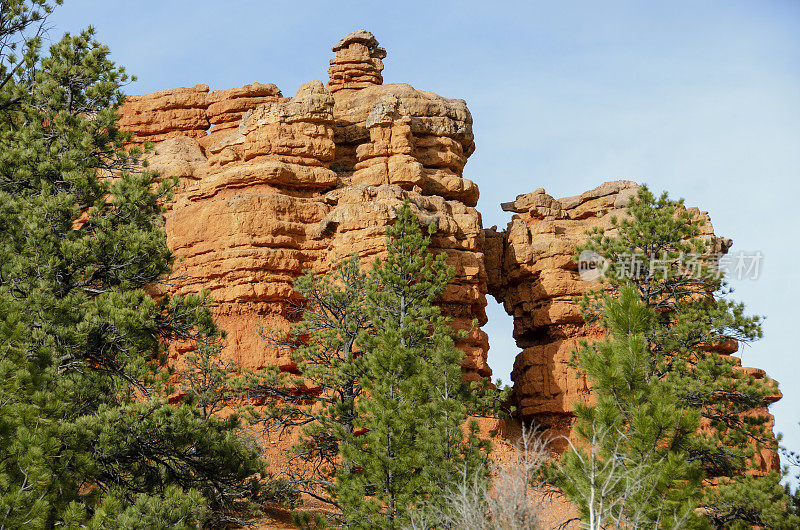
(532, 271)
(273, 185)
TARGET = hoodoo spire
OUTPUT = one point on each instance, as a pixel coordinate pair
(357, 63)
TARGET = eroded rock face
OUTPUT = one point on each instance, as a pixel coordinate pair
(226, 108)
(357, 63)
(394, 134)
(166, 114)
(273, 185)
(532, 271)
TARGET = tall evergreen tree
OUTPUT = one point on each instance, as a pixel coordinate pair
(655, 252)
(410, 443)
(319, 395)
(86, 436)
(632, 469)
(328, 346)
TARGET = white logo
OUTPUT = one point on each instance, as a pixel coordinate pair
(591, 265)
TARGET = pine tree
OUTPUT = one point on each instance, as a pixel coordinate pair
(656, 254)
(410, 444)
(206, 380)
(319, 396)
(86, 435)
(632, 470)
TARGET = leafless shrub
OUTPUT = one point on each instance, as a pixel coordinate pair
(508, 502)
(614, 489)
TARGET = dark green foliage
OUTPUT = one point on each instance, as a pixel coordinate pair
(749, 501)
(657, 252)
(207, 381)
(657, 380)
(409, 444)
(85, 436)
(795, 499)
(320, 397)
(305, 520)
(173, 508)
(367, 372)
(143, 447)
(632, 470)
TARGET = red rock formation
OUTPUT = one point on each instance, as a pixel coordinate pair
(166, 114)
(271, 186)
(286, 184)
(357, 63)
(226, 108)
(531, 270)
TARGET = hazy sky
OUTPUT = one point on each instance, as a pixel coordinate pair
(699, 98)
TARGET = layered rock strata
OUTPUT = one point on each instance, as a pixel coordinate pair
(273, 185)
(532, 271)
(357, 62)
(166, 114)
(227, 107)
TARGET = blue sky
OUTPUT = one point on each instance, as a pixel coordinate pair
(699, 98)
